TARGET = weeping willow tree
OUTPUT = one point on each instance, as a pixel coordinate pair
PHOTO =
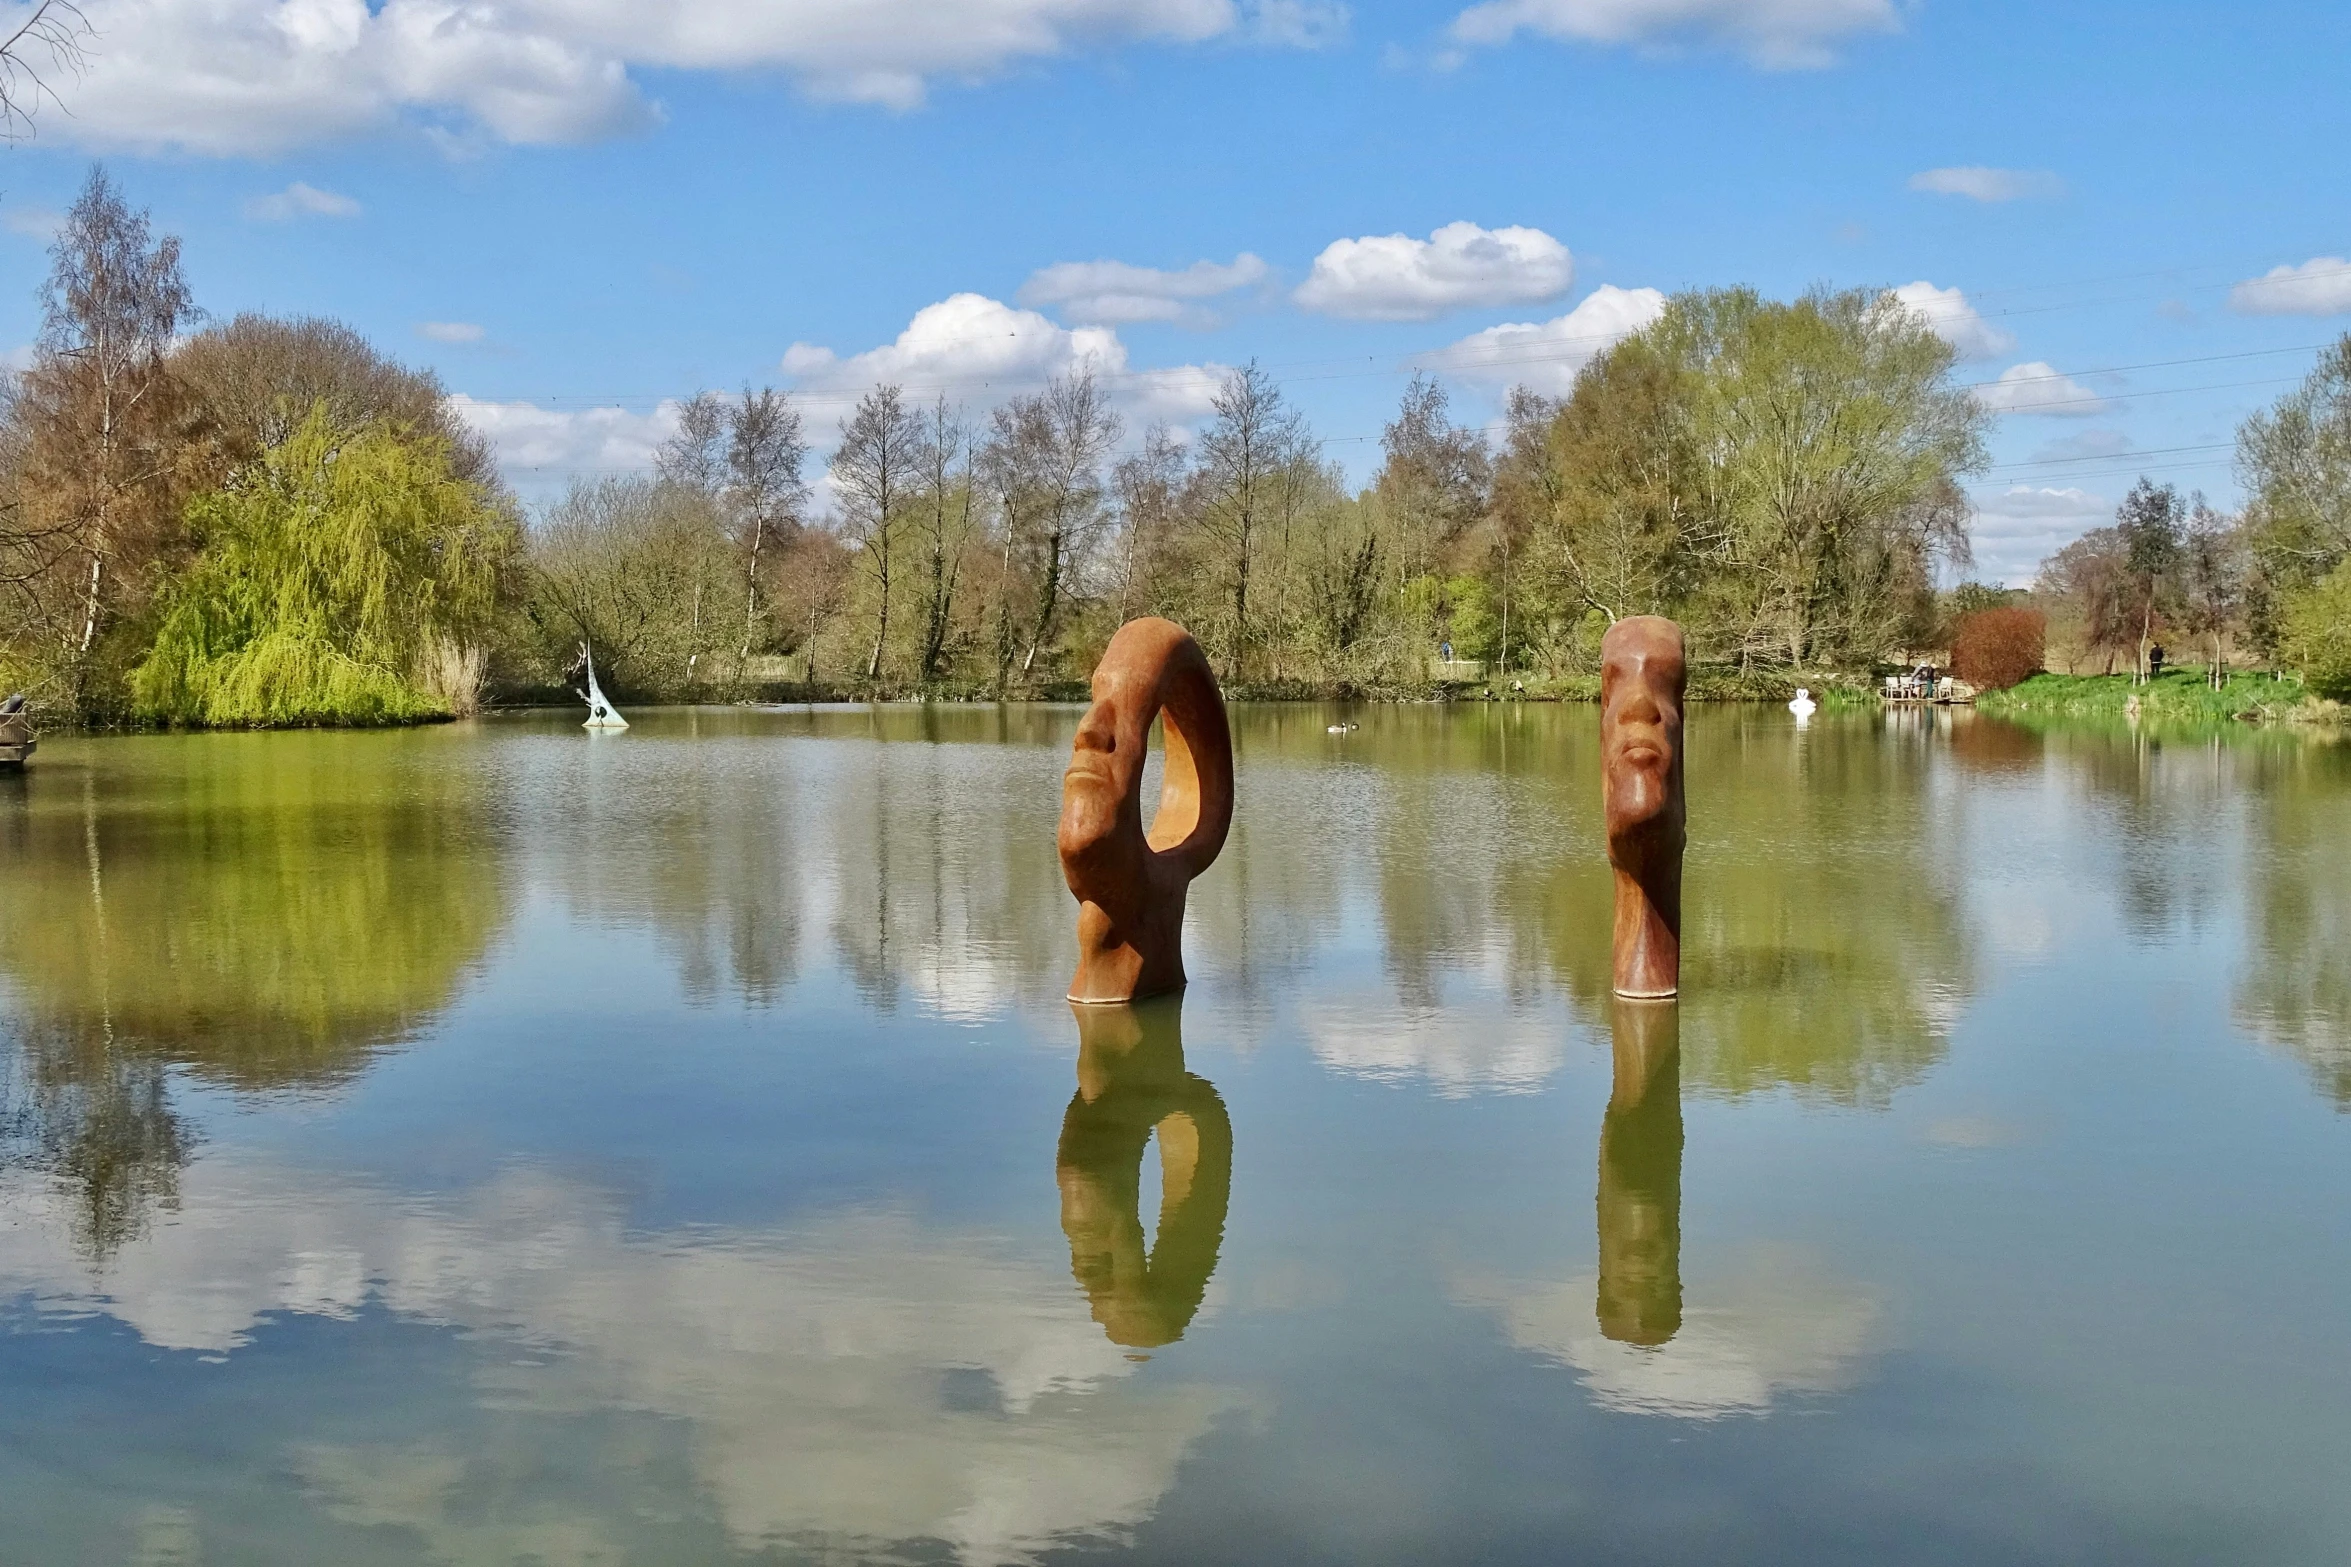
(344, 577)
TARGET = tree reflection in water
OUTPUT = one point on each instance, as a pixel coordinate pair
(2295, 989)
(1132, 1088)
(100, 1122)
(1824, 947)
(263, 912)
(1640, 1195)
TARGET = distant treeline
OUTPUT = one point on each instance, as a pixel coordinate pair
(266, 521)
(2269, 587)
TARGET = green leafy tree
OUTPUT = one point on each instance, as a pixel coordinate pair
(1611, 484)
(1831, 435)
(2317, 639)
(2152, 525)
(2212, 584)
(647, 574)
(2294, 460)
(2086, 586)
(330, 579)
(1781, 477)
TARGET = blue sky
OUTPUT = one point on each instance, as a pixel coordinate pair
(577, 210)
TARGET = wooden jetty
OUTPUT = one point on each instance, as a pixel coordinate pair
(1926, 686)
(17, 742)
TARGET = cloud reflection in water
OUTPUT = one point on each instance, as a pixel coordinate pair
(855, 1379)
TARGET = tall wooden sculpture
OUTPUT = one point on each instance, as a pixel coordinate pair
(1640, 1198)
(1641, 675)
(1133, 1089)
(1130, 883)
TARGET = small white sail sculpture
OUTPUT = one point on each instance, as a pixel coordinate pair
(601, 714)
(1803, 707)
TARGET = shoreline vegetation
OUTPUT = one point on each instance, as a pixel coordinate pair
(2176, 696)
(267, 522)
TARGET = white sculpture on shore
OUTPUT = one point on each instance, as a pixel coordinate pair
(1803, 707)
(601, 714)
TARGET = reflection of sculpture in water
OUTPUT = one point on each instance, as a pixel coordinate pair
(1641, 671)
(1130, 884)
(1131, 1085)
(1640, 1200)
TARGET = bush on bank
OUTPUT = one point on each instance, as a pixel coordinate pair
(1994, 649)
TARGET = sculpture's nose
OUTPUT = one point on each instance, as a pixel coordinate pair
(1640, 707)
(1098, 730)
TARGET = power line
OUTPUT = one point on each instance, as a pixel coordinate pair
(2154, 451)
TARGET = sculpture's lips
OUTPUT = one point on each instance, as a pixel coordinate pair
(1638, 751)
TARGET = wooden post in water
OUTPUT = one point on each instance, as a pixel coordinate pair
(1641, 676)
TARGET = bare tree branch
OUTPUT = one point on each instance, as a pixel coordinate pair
(56, 30)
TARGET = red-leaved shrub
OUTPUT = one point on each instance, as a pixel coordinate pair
(1993, 649)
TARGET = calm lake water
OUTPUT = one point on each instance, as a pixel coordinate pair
(500, 1144)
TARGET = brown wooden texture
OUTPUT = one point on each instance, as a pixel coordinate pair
(1129, 881)
(1641, 676)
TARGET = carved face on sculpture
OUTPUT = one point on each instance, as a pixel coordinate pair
(1641, 676)
(1101, 835)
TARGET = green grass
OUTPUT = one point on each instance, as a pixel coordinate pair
(2178, 696)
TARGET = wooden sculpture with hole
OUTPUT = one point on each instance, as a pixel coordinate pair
(1641, 674)
(1130, 882)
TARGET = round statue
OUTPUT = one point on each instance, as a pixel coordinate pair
(1130, 882)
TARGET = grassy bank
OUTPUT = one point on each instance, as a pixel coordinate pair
(2179, 696)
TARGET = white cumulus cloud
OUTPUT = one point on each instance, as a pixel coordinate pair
(1394, 277)
(530, 439)
(2037, 387)
(1981, 184)
(1545, 356)
(450, 331)
(240, 77)
(300, 201)
(1098, 293)
(1774, 34)
(1956, 321)
(2018, 528)
(979, 350)
(2320, 286)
